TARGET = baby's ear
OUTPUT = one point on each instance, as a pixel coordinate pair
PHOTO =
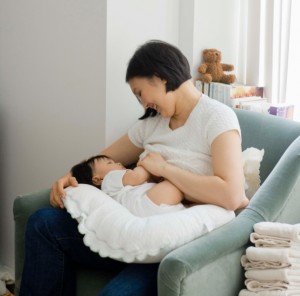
(97, 180)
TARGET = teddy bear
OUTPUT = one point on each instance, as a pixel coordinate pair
(212, 69)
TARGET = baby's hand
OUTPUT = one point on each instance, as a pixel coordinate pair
(134, 177)
(153, 163)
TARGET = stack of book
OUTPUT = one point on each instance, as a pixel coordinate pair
(283, 110)
(233, 95)
(246, 97)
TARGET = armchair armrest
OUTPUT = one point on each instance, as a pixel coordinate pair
(194, 268)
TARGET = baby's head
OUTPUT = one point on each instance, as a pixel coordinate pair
(93, 170)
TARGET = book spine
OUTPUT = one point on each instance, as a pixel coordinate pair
(241, 91)
(282, 110)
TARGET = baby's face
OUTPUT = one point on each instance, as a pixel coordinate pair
(103, 166)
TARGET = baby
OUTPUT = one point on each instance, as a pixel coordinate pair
(131, 188)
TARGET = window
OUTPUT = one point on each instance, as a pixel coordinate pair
(272, 45)
(293, 65)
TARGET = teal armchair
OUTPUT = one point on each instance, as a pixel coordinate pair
(209, 265)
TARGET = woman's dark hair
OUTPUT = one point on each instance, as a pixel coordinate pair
(161, 59)
(83, 172)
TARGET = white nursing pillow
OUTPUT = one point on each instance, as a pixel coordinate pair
(112, 231)
(252, 158)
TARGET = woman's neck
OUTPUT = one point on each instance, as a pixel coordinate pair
(187, 97)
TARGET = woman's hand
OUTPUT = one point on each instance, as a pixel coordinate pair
(154, 163)
(57, 192)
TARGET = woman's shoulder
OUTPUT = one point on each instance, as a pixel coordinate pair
(212, 109)
(217, 117)
(212, 105)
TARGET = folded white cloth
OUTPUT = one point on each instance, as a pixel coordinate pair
(245, 292)
(248, 265)
(265, 258)
(267, 241)
(256, 286)
(280, 230)
(6, 278)
(289, 275)
(288, 255)
(273, 265)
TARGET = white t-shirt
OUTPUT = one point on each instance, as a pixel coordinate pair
(188, 146)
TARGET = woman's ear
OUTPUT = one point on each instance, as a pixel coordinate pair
(97, 180)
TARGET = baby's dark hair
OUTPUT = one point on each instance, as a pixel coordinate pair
(83, 171)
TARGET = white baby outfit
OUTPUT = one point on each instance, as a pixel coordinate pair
(134, 198)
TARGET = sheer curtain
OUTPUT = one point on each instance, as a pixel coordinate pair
(293, 66)
(271, 49)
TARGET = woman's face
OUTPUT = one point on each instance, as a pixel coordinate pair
(151, 93)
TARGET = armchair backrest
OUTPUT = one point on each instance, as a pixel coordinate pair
(268, 132)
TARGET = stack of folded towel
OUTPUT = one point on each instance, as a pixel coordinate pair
(272, 267)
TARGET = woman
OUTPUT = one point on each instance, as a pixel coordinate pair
(185, 137)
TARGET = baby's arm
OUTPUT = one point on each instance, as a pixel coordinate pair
(137, 176)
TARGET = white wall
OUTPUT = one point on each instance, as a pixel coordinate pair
(52, 95)
(143, 20)
(216, 26)
(62, 86)
(62, 79)
(210, 24)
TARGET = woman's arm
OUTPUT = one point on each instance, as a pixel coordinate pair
(57, 192)
(225, 188)
(123, 150)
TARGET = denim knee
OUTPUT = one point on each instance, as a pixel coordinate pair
(46, 272)
(39, 220)
(49, 221)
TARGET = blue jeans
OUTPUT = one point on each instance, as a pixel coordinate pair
(54, 246)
